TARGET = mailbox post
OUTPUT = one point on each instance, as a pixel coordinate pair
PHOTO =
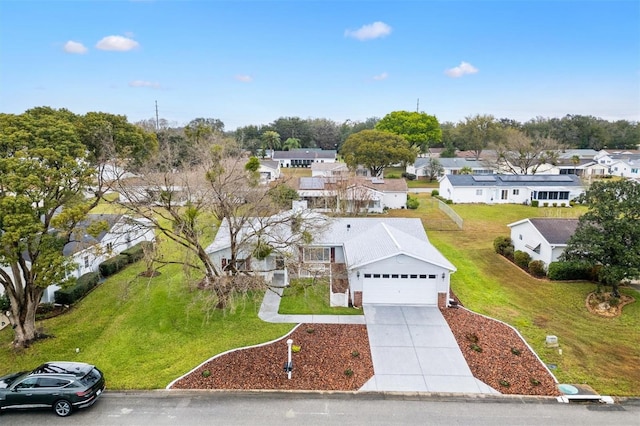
(288, 367)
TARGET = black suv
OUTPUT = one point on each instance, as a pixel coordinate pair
(64, 386)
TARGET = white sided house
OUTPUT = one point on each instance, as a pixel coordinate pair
(451, 166)
(304, 157)
(269, 171)
(118, 233)
(542, 238)
(511, 189)
(367, 261)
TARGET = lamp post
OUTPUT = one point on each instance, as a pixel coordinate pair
(289, 366)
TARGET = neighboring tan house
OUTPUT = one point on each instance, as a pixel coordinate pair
(511, 189)
(269, 171)
(352, 195)
(304, 157)
(542, 238)
(329, 170)
(367, 261)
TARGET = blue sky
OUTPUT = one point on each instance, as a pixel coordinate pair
(250, 62)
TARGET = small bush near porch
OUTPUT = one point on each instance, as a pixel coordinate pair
(310, 296)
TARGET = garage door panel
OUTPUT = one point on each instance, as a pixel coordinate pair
(400, 291)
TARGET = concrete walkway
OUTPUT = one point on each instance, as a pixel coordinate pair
(271, 303)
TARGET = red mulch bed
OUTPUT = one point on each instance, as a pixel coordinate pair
(331, 357)
(330, 350)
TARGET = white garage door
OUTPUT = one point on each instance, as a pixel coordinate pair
(400, 291)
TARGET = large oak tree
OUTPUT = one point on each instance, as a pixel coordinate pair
(608, 234)
(418, 128)
(375, 150)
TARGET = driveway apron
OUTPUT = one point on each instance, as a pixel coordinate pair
(414, 350)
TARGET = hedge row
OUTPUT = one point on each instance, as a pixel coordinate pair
(68, 296)
(109, 267)
(562, 271)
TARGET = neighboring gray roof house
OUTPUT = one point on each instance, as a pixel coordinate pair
(304, 157)
(81, 239)
(542, 238)
(511, 189)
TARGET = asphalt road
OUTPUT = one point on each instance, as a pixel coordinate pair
(204, 408)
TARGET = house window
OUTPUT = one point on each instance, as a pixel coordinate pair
(634, 170)
(504, 194)
(414, 276)
(516, 192)
(279, 262)
(520, 236)
(376, 275)
(86, 261)
(241, 264)
(367, 275)
(395, 276)
(478, 191)
(109, 247)
(432, 277)
(385, 275)
(422, 277)
(317, 254)
(404, 276)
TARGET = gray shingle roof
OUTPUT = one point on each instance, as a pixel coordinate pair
(308, 154)
(555, 231)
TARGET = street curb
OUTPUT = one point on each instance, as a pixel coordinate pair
(356, 395)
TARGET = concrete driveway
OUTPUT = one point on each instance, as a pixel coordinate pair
(413, 349)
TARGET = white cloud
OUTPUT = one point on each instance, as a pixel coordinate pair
(142, 83)
(117, 43)
(369, 32)
(75, 47)
(243, 78)
(460, 70)
(382, 76)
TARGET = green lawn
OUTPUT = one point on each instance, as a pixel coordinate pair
(143, 332)
(601, 352)
(307, 296)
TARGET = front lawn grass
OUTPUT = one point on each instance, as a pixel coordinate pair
(143, 332)
(306, 296)
(601, 352)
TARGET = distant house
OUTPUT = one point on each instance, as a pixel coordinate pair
(511, 189)
(452, 166)
(329, 170)
(623, 163)
(383, 260)
(304, 157)
(543, 239)
(352, 195)
(269, 171)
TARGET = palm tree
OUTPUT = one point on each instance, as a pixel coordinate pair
(271, 139)
(291, 143)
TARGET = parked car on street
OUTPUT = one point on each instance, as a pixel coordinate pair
(63, 386)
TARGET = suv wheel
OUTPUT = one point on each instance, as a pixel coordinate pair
(62, 407)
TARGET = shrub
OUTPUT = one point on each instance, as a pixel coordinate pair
(560, 271)
(113, 265)
(136, 252)
(355, 353)
(295, 348)
(546, 204)
(522, 259)
(535, 203)
(4, 303)
(392, 176)
(206, 373)
(348, 372)
(412, 202)
(516, 351)
(534, 381)
(504, 383)
(508, 253)
(70, 295)
(501, 243)
(614, 301)
(435, 193)
(536, 268)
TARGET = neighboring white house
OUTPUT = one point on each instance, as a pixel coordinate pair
(386, 260)
(269, 171)
(304, 157)
(354, 194)
(511, 189)
(119, 233)
(451, 166)
(543, 239)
